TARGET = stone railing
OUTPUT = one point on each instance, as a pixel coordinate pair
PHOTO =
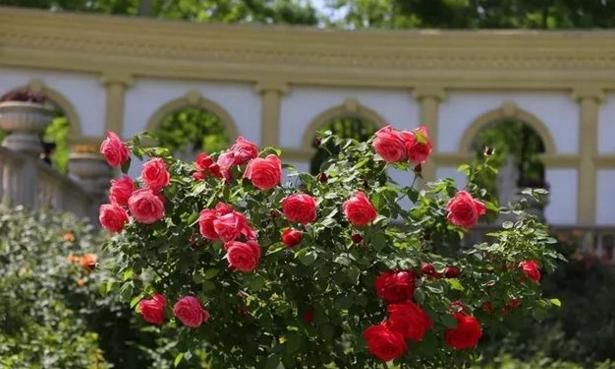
(27, 180)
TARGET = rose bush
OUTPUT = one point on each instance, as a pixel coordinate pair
(327, 270)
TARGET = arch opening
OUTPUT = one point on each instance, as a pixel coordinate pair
(345, 126)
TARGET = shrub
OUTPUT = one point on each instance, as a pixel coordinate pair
(360, 280)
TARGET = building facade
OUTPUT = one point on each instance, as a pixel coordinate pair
(278, 85)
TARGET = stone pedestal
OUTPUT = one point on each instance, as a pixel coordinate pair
(91, 171)
(25, 122)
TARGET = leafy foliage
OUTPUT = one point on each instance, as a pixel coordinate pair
(257, 319)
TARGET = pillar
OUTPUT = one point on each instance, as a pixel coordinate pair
(589, 100)
(271, 94)
(429, 98)
(115, 83)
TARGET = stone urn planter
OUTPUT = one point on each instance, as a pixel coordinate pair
(89, 168)
(24, 121)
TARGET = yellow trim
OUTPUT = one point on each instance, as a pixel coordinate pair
(193, 99)
(350, 108)
(429, 98)
(605, 161)
(507, 110)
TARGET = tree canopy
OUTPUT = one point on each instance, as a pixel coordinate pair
(460, 14)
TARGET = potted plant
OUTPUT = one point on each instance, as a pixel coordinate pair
(24, 116)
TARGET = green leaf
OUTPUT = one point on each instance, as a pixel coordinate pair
(507, 224)
(210, 273)
(178, 359)
(419, 295)
(273, 362)
(308, 258)
(449, 321)
(294, 341)
(126, 166)
(555, 302)
(464, 168)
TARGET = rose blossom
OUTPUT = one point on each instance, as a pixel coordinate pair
(264, 173)
(146, 206)
(190, 312)
(224, 223)
(243, 256)
(120, 190)
(300, 208)
(155, 174)
(418, 144)
(291, 237)
(206, 166)
(464, 210)
(466, 334)
(531, 269)
(112, 217)
(389, 145)
(244, 150)
(409, 319)
(384, 343)
(359, 210)
(114, 150)
(226, 161)
(152, 309)
(395, 286)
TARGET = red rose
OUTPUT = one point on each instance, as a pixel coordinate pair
(389, 145)
(190, 312)
(409, 319)
(155, 174)
(223, 223)
(114, 150)
(120, 190)
(452, 272)
(243, 256)
(244, 150)
(418, 144)
(152, 309)
(384, 343)
(112, 217)
(487, 307)
(429, 269)
(291, 237)
(464, 210)
(356, 238)
(466, 334)
(395, 286)
(531, 269)
(206, 166)
(359, 210)
(300, 208)
(264, 173)
(146, 206)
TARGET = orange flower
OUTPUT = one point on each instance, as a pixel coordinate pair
(88, 261)
(74, 259)
(81, 282)
(69, 237)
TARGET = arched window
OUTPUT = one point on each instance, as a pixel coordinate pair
(517, 149)
(191, 124)
(358, 128)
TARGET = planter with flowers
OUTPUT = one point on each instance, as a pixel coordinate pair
(324, 271)
(24, 116)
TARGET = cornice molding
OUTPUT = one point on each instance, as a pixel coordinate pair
(404, 59)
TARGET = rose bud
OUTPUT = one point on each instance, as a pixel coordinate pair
(451, 272)
(308, 316)
(428, 269)
(291, 237)
(489, 151)
(356, 238)
(322, 178)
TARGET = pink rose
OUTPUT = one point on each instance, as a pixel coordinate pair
(120, 190)
(146, 206)
(264, 173)
(190, 312)
(226, 161)
(418, 144)
(243, 256)
(389, 145)
(155, 174)
(359, 210)
(152, 309)
(114, 150)
(206, 166)
(291, 237)
(224, 223)
(464, 210)
(112, 217)
(531, 269)
(244, 150)
(300, 208)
